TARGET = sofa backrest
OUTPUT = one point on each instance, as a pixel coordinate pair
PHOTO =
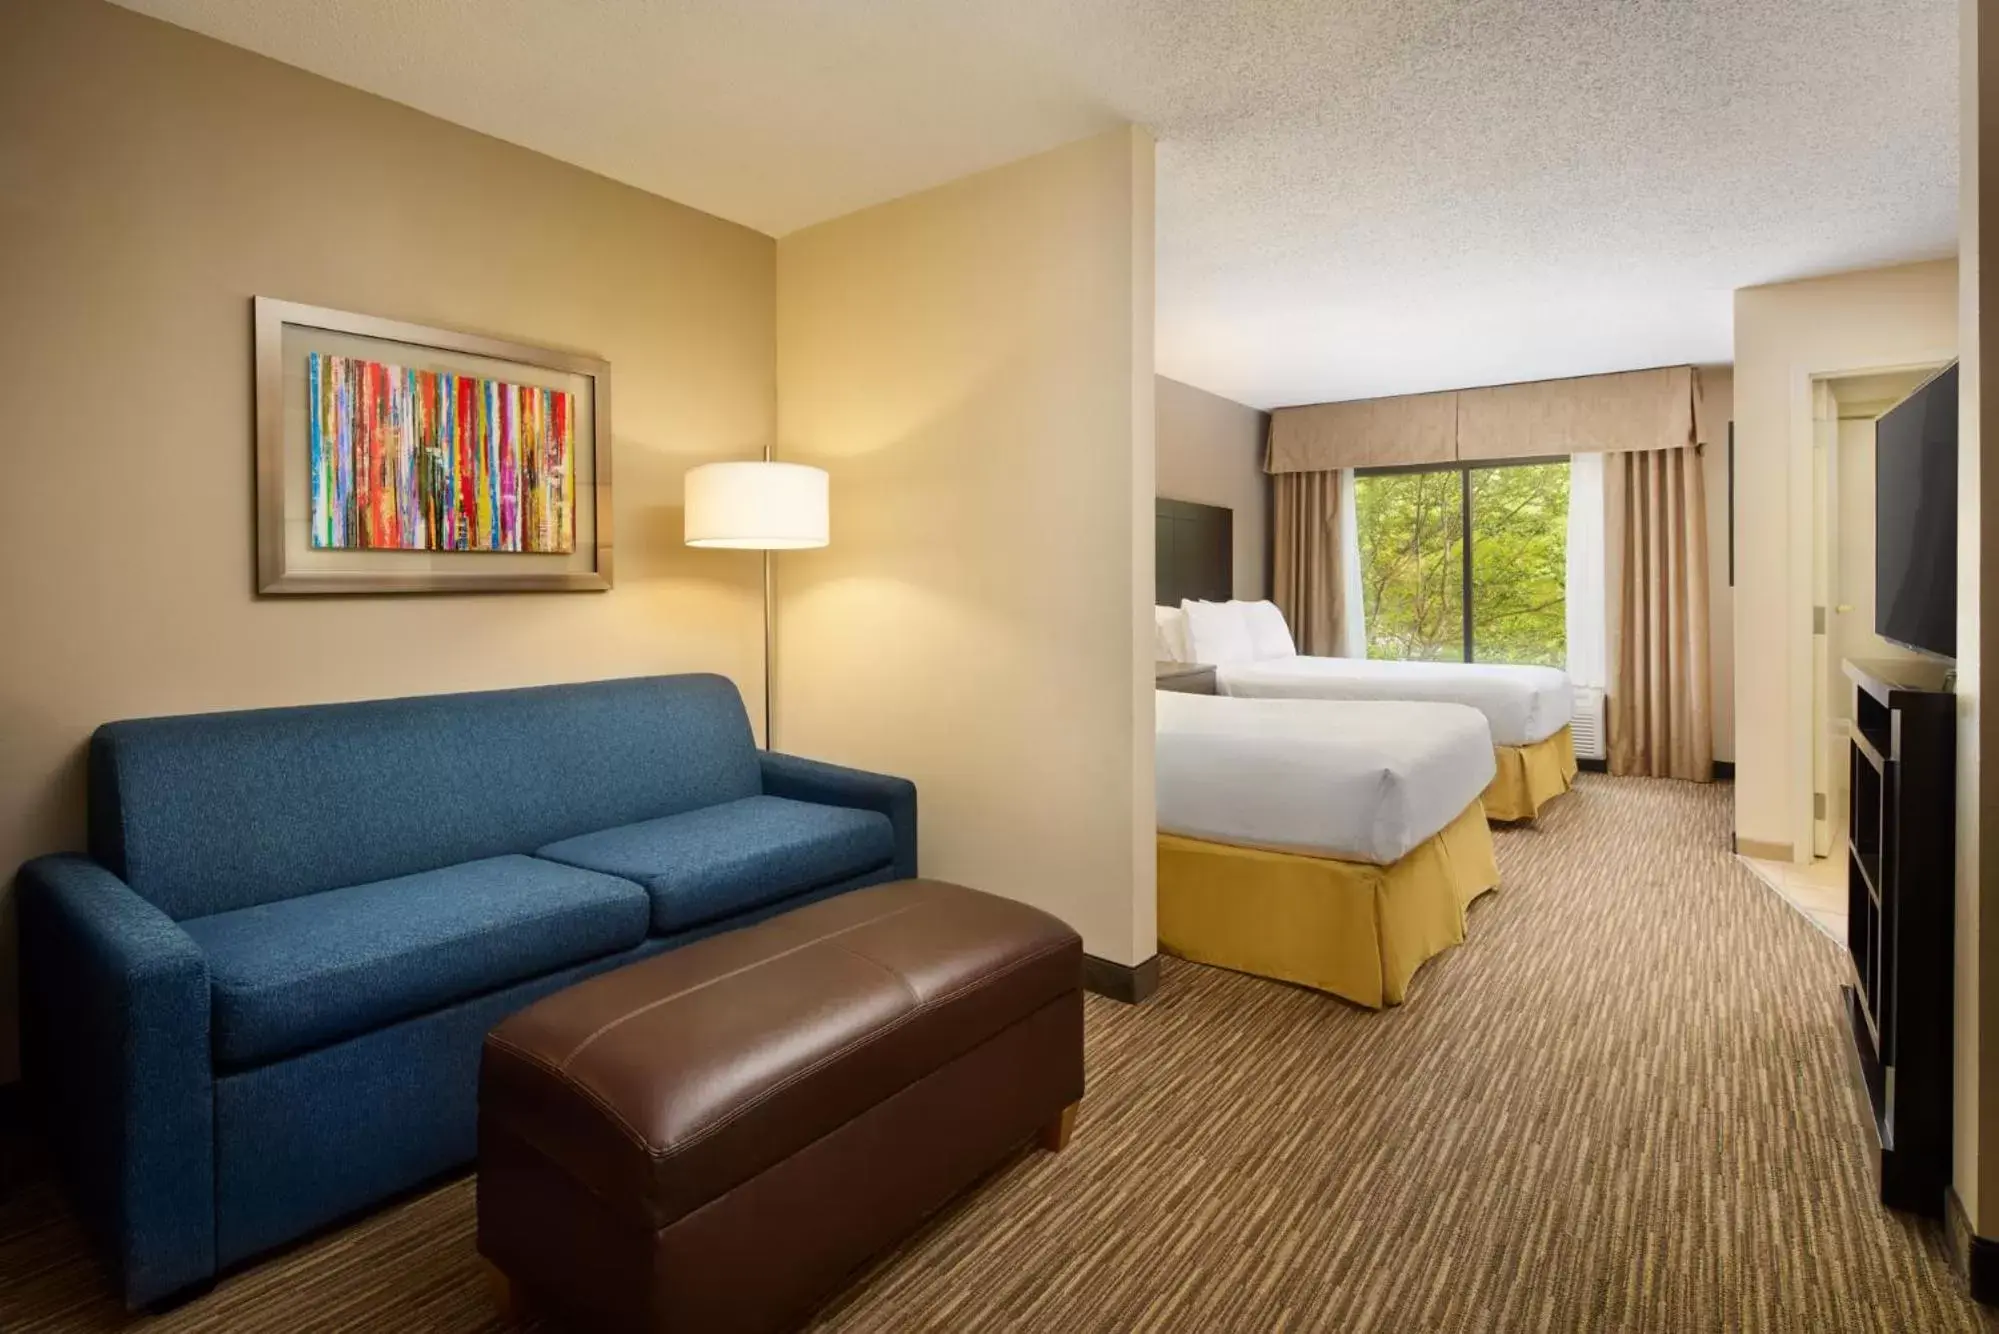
(211, 812)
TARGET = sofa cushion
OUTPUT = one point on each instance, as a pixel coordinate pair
(726, 859)
(306, 971)
(208, 813)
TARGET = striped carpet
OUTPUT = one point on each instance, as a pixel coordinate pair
(1620, 1106)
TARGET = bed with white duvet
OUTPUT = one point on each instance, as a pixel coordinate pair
(1336, 844)
(1354, 781)
(1526, 709)
(1523, 705)
(1250, 647)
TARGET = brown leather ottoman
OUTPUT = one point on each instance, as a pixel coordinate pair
(716, 1138)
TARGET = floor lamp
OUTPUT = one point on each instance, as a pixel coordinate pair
(758, 506)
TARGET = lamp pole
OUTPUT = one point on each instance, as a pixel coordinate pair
(770, 631)
(769, 639)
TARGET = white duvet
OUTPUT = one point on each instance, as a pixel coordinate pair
(1331, 778)
(1522, 704)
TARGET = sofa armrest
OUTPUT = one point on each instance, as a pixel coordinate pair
(801, 779)
(115, 1053)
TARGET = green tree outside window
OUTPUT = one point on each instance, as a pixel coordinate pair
(1416, 566)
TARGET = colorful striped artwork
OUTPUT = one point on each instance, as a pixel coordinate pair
(409, 460)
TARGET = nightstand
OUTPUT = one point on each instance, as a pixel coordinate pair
(1189, 678)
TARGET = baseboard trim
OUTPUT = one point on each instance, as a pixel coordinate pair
(1975, 1258)
(1763, 851)
(1724, 770)
(1130, 983)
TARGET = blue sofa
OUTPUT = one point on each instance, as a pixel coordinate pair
(256, 1007)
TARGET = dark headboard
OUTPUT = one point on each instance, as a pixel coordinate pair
(1194, 552)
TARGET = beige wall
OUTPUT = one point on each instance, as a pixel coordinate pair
(152, 181)
(1784, 335)
(1718, 408)
(1210, 450)
(973, 364)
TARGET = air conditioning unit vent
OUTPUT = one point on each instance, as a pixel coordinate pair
(1586, 725)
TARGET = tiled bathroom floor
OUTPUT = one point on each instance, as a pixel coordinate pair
(1818, 890)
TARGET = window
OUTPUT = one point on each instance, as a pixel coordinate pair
(1412, 542)
(1430, 594)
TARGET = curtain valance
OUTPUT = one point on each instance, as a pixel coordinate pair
(1590, 414)
(1367, 433)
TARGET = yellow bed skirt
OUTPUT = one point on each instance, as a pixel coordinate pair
(1353, 929)
(1530, 777)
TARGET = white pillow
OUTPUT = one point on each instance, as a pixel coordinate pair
(1169, 627)
(1269, 636)
(1218, 633)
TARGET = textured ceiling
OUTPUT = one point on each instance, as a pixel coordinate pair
(1370, 197)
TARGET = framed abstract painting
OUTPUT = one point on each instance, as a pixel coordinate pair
(394, 458)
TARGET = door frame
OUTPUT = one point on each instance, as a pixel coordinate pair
(1798, 606)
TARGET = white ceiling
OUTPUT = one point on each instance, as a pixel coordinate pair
(1359, 198)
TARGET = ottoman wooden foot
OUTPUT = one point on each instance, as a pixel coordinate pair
(1055, 1135)
(508, 1298)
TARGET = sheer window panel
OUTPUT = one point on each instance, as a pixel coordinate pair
(1587, 613)
(1353, 621)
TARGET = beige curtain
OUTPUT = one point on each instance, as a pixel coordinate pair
(1306, 559)
(1660, 704)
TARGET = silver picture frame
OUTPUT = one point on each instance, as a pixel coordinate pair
(286, 564)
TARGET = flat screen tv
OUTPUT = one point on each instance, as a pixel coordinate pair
(1915, 519)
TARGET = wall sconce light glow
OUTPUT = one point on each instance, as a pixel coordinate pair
(759, 506)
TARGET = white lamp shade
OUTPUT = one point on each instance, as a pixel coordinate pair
(761, 506)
